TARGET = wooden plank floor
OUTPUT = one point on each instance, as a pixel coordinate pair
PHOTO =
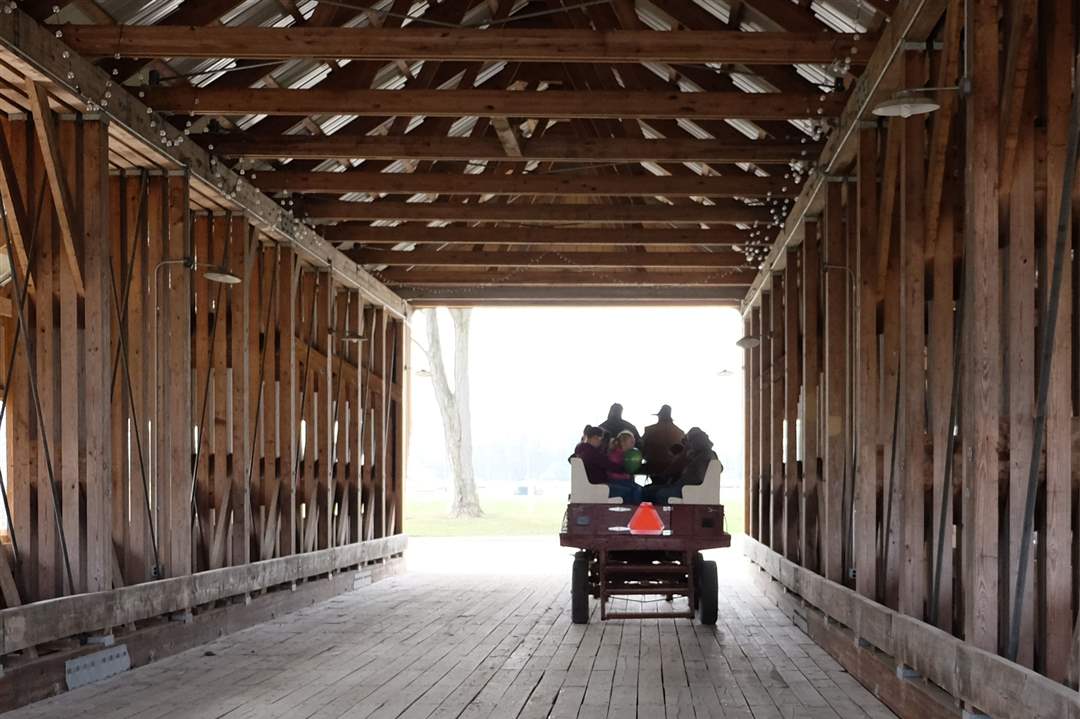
(481, 628)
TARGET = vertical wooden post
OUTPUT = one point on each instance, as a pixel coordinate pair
(401, 424)
(912, 472)
(175, 416)
(45, 349)
(811, 368)
(288, 425)
(309, 318)
(381, 328)
(749, 414)
(982, 375)
(1059, 38)
(220, 241)
(324, 402)
(97, 320)
(765, 402)
(1020, 369)
(258, 273)
(776, 426)
(367, 432)
(867, 477)
(792, 385)
(69, 380)
(356, 421)
(754, 458)
(240, 321)
(835, 346)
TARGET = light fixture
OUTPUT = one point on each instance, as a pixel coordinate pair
(749, 342)
(905, 104)
(353, 337)
(222, 276)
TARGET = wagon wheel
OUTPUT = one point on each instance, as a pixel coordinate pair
(579, 589)
(697, 561)
(708, 594)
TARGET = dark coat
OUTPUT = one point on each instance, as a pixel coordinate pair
(656, 446)
(699, 453)
(613, 425)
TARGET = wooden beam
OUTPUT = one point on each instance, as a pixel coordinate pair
(552, 104)
(45, 128)
(622, 46)
(542, 149)
(508, 136)
(551, 184)
(792, 386)
(956, 666)
(442, 258)
(540, 236)
(943, 120)
(764, 462)
(982, 376)
(18, 225)
(1058, 37)
(775, 511)
(810, 516)
(730, 211)
(41, 622)
(912, 21)
(589, 296)
(912, 467)
(867, 385)
(834, 343)
(36, 52)
(549, 278)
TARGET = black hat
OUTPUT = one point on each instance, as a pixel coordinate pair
(591, 431)
(665, 412)
(615, 412)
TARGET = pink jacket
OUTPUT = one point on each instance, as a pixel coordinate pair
(616, 456)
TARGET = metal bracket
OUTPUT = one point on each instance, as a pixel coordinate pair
(91, 668)
(911, 45)
(903, 671)
(104, 640)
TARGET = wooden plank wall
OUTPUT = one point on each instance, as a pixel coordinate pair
(160, 423)
(920, 291)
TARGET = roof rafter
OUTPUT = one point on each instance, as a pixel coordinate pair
(612, 104)
(550, 184)
(544, 149)
(728, 211)
(627, 46)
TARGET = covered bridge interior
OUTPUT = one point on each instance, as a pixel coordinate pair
(219, 214)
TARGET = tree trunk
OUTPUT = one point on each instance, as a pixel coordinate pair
(455, 410)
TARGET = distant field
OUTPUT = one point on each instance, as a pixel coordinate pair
(510, 516)
(503, 516)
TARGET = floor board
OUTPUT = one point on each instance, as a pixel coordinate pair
(480, 629)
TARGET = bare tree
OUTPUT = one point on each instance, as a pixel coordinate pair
(454, 408)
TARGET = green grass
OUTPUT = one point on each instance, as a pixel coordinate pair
(510, 516)
(505, 516)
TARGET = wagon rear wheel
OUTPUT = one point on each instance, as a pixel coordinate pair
(708, 594)
(697, 562)
(579, 589)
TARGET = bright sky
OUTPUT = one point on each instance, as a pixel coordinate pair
(539, 375)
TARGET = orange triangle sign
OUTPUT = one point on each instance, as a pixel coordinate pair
(646, 520)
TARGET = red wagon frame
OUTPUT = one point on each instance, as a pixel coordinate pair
(612, 562)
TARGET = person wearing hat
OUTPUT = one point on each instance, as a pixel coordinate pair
(614, 424)
(659, 443)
